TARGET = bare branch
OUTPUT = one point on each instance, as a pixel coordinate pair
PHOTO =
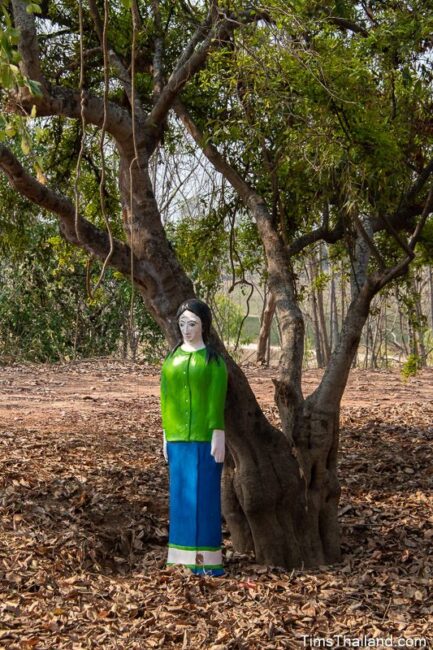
(320, 234)
(212, 153)
(343, 23)
(57, 100)
(401, 267)
(28, 44)
(158, 75)
(394, 233)
(88, 54)
(179, 78)
(419, 183)
(369, 12)
(62, 32)
(369, 241)
(198, 36)
(211, 35)
(121, 71)
(66, 102)
(408, 207)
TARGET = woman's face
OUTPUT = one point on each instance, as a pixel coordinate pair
(190, 327)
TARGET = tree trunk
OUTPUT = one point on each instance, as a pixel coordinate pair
(265, 496)
(401, 322)
(321, 305)
(385, 334)
(420, 324)
(413, 342)
(317, 337)
(265, 329)
(343, 293)
(124, 332)
(333, 313)
(379, 343)
(280, 493)
(323, 330)
(366, 339)
(360, 256)
(430, 284)
(376, 339)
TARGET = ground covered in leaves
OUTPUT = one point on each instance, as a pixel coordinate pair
(83, 523)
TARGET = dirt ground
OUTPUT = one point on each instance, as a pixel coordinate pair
(83, 512)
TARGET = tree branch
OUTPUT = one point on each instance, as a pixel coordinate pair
(211, 35)
(407, 208)
(320, 234)
(158, 74)
(189, 11)
(394, 233)
(179, 78)
(122, 73)
(57, 100)
(28, 44)
(401, 267)
(94, 240)
(418, 184)
(62, 32)
(288, 389)
(369, 241)
(406, 211)
(344, 23)
(331, 388)
(212, 153)
(66, 102)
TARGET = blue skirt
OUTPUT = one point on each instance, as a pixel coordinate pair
(195, 508)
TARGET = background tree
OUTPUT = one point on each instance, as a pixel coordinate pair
(316, 115)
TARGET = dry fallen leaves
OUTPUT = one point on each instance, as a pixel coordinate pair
(83, 508)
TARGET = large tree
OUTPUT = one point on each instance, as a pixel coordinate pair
(318, 116)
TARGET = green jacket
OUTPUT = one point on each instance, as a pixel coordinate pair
(193, 394)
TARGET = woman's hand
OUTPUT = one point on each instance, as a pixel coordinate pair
(164, 446)
(218, 445)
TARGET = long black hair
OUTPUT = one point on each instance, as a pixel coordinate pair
(200, 309)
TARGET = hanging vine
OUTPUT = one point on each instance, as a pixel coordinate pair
(91, 290)
(135, 160)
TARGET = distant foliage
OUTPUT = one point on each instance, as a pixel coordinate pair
(201, 245)
(229, 318)
(46, 314)
(411, 366)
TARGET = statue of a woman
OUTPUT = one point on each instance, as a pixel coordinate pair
(193, 391)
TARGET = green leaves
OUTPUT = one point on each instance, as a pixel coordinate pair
(310, 109)
(201, 244)
(34, 87)
(11, 79)
(33, 8)
(25, 146)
